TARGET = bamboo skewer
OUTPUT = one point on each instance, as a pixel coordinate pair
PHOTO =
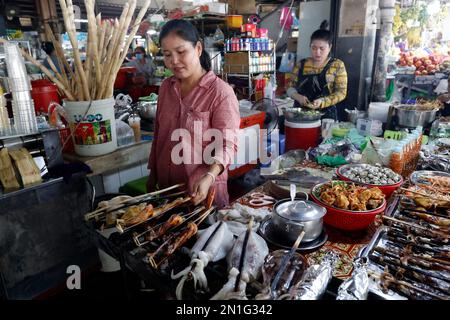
(68, 14)
(141, 197)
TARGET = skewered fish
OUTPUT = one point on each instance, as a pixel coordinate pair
(213, 244)
(244, 261)
(174, 242)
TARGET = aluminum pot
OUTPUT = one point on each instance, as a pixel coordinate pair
(289, 218)
(354, 115)
(408, 117)
(147, 109)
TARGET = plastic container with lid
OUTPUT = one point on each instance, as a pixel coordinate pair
(44, 93)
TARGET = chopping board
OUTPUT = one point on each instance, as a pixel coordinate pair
(26, 166)
(7, 173)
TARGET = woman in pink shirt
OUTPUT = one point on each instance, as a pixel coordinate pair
(195, 107)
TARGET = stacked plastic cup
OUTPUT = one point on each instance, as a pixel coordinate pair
(20, 86)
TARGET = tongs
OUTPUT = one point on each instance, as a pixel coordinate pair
(284, 264)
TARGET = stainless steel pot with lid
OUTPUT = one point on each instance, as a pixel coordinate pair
(289, 218)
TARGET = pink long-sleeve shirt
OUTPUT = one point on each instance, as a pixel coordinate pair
(212, 104)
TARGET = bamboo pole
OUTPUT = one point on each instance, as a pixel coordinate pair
(59, 51)
(118, 49)
(55, 71)
(67, 11)
(93, 43)
(138, 21)
(109, 59)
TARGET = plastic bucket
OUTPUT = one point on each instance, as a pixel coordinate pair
(44, 92)
(109, 264)
(93, 126)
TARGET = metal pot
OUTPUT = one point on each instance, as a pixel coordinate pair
(354, 115)
(289, 218)
(147, 109)
(408, 117)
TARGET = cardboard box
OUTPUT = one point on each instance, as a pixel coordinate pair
(236, 62)
(242, 7)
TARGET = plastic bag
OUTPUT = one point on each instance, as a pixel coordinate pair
(287, 62)
(378, 150)
(125, 134)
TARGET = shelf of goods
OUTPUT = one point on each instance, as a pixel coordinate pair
(248, 64)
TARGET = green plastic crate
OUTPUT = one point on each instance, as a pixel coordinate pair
(135, 188)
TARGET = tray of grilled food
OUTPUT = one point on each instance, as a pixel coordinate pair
(150, 227)
(409, 256)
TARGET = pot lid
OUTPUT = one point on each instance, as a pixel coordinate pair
(299, 210)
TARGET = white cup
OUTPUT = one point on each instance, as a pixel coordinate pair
(327, 124)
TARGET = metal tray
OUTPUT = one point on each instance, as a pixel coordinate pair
(416, 176)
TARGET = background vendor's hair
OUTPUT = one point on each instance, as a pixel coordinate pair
(185, 30)
(323, 33)
(48, 47)
(141, 49)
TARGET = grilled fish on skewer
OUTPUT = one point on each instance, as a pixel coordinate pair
(155, 213)
(136, 214)
(172, 244)
(214, 244)
(244, 261)
(172, 222)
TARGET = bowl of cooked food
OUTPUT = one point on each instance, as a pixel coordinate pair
(349, 206)
(372, 176)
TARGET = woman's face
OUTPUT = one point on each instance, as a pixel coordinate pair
(320, 49)
(180, 56)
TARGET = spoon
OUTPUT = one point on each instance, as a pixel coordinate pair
(293, 191)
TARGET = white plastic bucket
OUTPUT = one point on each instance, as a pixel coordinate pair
(109, 264)
(93, 126)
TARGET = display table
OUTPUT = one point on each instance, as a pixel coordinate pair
(347, 245)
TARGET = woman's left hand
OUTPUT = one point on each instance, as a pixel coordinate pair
(201, 189)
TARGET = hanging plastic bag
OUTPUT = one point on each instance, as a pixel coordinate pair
(286, 18)
(287, 62)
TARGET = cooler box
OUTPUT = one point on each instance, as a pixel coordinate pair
(302, 135)
(248, 142)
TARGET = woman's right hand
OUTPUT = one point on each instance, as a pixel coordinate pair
(300, 99)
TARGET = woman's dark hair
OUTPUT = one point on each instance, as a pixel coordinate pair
(323, 33)
(141, 49)
(185, 30)
(48, 47)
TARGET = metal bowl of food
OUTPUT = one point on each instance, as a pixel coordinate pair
(415, 115)
(301, 115)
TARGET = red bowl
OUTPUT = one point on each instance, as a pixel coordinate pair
(347, 219)
(387, 189)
